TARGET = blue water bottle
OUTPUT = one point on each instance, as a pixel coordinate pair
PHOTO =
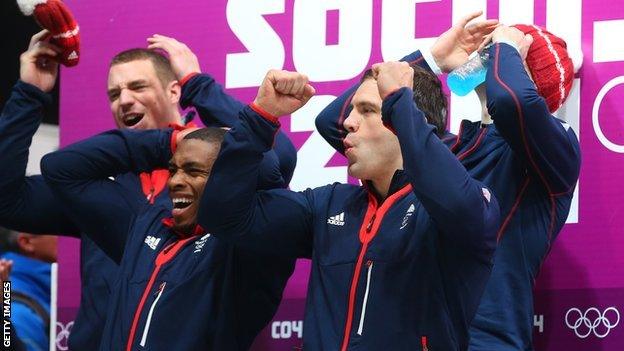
(468, 76)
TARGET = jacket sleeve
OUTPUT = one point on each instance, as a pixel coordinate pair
(547, 145)
(329, 121)
(273, 221)
(278, 165)
(216, 108)
(26, 203)
(79, 176)
(261, 279)
(463, 209)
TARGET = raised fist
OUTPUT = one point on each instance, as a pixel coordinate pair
(392, 76)
(283, 92)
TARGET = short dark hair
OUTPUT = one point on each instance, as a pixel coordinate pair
(161, 64)
(8, 240)
(211, 135)
(428, 96)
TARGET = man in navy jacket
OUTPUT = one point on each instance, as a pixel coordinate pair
(178, 287)
(398, 263)
(144, 91)
(529, 158)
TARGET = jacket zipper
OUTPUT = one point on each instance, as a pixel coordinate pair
(356, 273)
(166, 255)
(369, 264)
(150, 197)
(148, 322)
(368, 230)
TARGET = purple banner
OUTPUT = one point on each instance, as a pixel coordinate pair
(333, 42)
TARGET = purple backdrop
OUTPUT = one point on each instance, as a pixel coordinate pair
(333, 42)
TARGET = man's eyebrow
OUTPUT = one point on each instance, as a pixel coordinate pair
(138, 82)
(364, 104)
(131, 84)
(193, 164)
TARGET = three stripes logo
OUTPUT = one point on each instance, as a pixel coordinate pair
(336, 220)
(152, 242)
(73, 55)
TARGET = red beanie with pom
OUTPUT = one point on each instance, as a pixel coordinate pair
(550, 65)
(55, 16)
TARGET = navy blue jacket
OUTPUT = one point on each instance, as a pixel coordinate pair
(173, 292)
(403, 274)
(531, 161)
(27, 204)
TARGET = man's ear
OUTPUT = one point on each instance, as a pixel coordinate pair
(25, 244)
(174, 91)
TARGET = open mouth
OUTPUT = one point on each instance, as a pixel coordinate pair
(180, 204)
(131, 119)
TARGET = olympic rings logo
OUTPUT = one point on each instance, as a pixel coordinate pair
(63, 335)
(592, 321)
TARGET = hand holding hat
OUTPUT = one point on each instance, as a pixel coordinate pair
(56, 17)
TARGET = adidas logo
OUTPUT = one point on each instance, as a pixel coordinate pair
(336, 220)
(408, 214)
(152, 242)
(73, 55)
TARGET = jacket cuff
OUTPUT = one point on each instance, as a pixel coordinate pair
(174, 140)
(269, 117)
(431, 62)
(33, 92)
(187, 77)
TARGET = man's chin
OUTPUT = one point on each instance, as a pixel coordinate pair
(184, 228)
(353, 170)
(180, 223)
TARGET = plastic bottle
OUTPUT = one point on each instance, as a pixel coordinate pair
(468, 76)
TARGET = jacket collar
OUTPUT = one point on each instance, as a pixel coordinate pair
(198, 230)
(398, 182)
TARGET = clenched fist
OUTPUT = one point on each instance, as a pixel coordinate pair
(392, 76)
(283, 92)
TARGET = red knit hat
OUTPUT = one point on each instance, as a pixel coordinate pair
(55, 16)
(551, 67)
